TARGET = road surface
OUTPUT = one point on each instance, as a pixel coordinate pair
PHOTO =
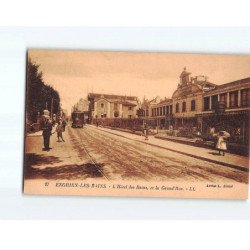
(93, 153)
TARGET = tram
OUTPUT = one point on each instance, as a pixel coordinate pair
(78, 120)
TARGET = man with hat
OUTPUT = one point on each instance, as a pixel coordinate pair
(47, 128)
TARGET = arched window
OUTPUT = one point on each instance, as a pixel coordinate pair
(184, 107)
(177, 107)
(102, 105)
(192, 105)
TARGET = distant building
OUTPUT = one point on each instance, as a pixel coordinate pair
(157, 112)
(162, 113)
(112, 106)
(82, 105)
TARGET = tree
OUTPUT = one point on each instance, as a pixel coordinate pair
(116, 114)
(40, 96)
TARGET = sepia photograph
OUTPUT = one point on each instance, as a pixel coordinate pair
(147, 124)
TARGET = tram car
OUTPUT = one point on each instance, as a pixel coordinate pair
(77, 119)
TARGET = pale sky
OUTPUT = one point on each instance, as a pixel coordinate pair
(75, 73)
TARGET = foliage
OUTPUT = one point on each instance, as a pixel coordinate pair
(40, 96)
(116, 114)
(140, 112)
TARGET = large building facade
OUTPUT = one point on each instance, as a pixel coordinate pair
(227, 107)
(188, 99)
(201, 105)
(112, 106)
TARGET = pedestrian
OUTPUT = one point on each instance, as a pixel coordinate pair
(47, 127)
(221, 143)
(146, 131)
(59, 130)
(64, 123)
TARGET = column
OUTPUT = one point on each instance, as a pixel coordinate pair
(239, 98)
(210, 102)
(228, 100)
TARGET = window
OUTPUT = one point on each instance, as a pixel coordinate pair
(223, 98)
(160, 110)
(167, 109)
(130, 108)
(214, 101)
(245, 97)
(147, 112)
(102, 105)
(233, 99)
(192, 105)
(177, 108)
(116, 106)
(184, 107)
(206, 103)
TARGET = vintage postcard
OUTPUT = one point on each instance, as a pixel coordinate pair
(137, 124)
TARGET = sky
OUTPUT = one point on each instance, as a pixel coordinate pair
(75, 73)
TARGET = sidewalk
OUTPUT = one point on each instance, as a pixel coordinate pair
(60, 154)
(210, 155)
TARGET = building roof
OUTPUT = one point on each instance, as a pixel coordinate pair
(226, 86)
(234, 83)
(111, 96)
(166, 101)
(128, 104)
(123, 102)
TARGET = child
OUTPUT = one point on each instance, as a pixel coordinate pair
(59, 130)
(221, 143)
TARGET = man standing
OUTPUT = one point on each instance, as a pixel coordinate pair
(47, 133)
(146, 131)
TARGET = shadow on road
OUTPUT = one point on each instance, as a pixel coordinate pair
(38, 160)
(66, 172)
(214, 153)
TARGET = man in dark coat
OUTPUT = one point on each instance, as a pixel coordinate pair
(47, 128)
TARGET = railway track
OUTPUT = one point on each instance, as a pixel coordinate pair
(114, 157)
(84, 147)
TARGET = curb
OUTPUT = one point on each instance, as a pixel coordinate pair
(199, 145)
(185, 142)
(187, 154)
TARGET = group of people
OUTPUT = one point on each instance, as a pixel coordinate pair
(47, 127)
